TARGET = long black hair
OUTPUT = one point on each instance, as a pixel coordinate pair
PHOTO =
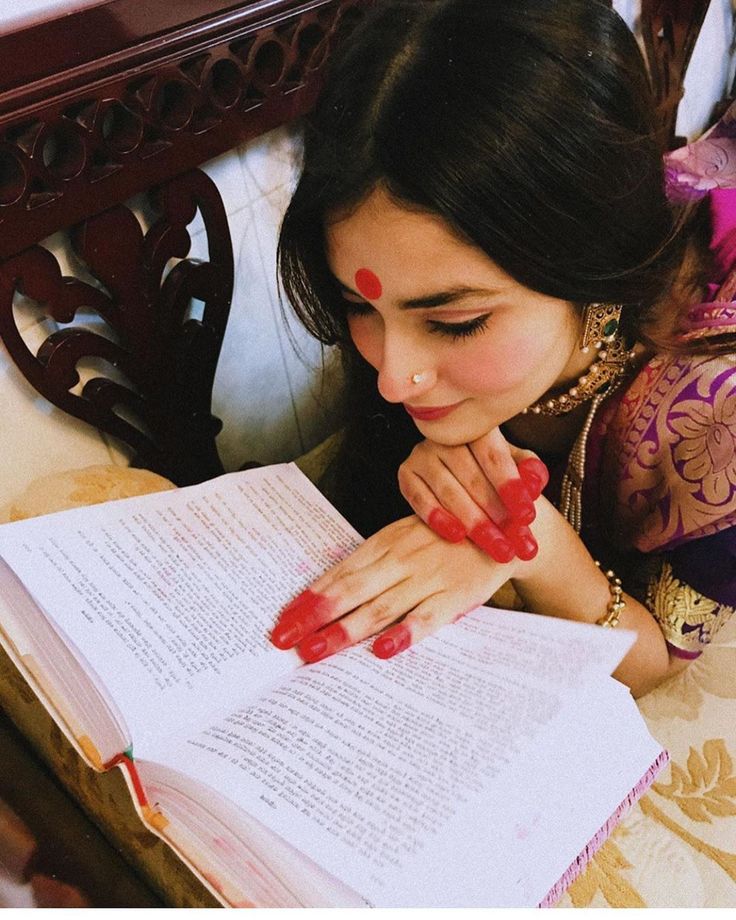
(528, 126)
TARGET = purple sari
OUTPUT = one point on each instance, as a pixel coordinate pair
(660, 482)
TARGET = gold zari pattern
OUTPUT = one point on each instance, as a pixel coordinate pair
(689, 620)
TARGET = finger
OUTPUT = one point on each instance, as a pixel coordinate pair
(445, 491)
(493, 454)
(326, 642)
(341, 590)
(307, 612)
(425, 619)
(426, 506)
(489, 537)
(522, 540)
(464, 468)
(448, 488)
(363, 622)
(534, 474)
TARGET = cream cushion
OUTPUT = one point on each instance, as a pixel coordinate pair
(87, 486)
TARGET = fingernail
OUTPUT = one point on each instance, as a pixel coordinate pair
(525, 545)
(284, 637)
(446, 525)
(515, 496)
(326, 642)
(312, 649)
(534, 474)
(392, 642)
(492, 541)
(302, 616)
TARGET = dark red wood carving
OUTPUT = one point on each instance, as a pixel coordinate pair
(102, 105)
(91, 134)
(158, 398)
(670, 29)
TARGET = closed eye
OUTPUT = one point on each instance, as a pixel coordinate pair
(461, 330)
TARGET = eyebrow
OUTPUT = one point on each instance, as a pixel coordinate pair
(439, 299)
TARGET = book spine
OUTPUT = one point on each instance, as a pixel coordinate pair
(576, 867)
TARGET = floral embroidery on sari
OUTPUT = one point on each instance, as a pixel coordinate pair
(674, 469)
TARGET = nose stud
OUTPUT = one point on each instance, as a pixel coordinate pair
(418, 378)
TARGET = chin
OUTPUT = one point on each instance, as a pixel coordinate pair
(447, 434)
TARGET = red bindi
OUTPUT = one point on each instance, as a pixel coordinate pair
(368, 284)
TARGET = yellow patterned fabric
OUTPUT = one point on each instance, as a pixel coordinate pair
(677, 846)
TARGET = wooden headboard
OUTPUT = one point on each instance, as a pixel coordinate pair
(128, 97)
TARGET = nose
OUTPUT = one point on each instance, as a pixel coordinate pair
(405, 373)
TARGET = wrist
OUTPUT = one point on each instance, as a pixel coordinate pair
(563, 579)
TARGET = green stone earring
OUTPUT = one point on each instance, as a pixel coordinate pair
(600, 324)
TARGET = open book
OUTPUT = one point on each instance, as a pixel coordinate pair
(480, 768)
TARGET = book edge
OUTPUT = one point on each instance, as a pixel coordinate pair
(599, 838)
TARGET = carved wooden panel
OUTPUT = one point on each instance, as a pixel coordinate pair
(115, 112)
(670, 29)
(158, 398)
(75, 142)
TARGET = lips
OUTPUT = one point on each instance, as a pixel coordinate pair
(430, 413)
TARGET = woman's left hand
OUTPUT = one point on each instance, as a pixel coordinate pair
(403, 571)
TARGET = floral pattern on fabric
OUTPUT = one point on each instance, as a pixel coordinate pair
(673, 472)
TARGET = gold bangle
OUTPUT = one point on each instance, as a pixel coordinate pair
(616, 605)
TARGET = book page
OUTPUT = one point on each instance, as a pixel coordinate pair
(363, 764)
(170, 596)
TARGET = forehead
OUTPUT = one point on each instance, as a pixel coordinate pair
(402, 246)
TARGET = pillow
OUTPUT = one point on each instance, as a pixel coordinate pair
(88, 485)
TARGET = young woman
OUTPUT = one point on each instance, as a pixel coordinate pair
(482, 226)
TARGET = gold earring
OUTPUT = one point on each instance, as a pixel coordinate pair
(600, 324)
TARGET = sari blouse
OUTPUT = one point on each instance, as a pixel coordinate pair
(659, 495)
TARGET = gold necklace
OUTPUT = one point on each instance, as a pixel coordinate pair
(608, 367)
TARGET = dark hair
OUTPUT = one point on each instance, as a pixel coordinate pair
(527, 125)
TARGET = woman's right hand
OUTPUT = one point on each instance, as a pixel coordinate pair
(484, 491)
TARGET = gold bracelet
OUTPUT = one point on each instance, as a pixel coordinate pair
(616, 605)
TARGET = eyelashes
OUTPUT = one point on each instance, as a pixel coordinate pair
(454, 331)
(464, 330)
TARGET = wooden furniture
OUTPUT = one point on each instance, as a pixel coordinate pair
(127, 98)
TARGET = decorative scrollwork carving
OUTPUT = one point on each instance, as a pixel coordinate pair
(167, 360)
(109, 138)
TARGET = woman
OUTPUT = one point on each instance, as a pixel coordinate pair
(481, 224)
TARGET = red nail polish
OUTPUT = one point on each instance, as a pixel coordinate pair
(312, 649)
(534, 474)
(515, 496)
(524, 544)
(326, 642)
(392, 642)
(446, 525)
(305, 614)
(284, 637)
(492, 541)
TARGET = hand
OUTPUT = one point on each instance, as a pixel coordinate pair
(484, 491)
(404, 570)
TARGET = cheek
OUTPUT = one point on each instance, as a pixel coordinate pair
(493, 365)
